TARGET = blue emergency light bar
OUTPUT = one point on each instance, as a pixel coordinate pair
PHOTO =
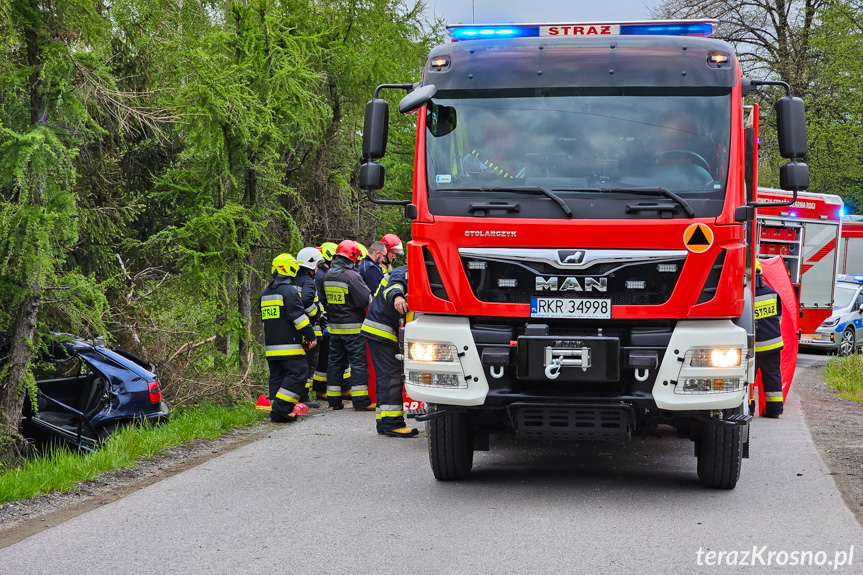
(462, 32)
(849, 278)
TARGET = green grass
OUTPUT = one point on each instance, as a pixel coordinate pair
(845, 375)
(62, 469)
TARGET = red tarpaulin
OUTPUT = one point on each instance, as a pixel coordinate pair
(776, 276)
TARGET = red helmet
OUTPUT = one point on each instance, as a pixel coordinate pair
(393, 243)
(349, 249)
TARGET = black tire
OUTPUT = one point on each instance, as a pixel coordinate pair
(720, 456)
(848, 342)
(450, 446)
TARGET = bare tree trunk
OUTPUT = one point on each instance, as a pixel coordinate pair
(244, 304)
(11, 389)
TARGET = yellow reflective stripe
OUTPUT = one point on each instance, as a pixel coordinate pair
(359, 392)
(390, 414)
(283, 352)
(344, 331)
(319, 332)
(768, 398)
(272, 302)
(286, 398)
(303, 323)
(768, 347)
(379, 332)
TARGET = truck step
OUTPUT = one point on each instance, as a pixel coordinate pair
(573, 422)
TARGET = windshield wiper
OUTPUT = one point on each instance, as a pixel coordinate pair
(640, 192)
(526, 190)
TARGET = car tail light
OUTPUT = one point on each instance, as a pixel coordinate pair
(155, 392)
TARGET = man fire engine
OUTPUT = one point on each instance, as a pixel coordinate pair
(594, 286)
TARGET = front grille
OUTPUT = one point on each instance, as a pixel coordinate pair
(483, 275)
(580, 423)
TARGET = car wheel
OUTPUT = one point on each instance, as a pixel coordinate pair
(847, 343)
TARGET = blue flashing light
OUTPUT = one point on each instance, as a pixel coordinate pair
(486, 32)
(682, 29)
(858, 278)
(841, 212)
(657, 28)
(793, 214)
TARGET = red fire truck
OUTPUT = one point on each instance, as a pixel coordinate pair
(851, 246)
(806, 236)
(578, 249)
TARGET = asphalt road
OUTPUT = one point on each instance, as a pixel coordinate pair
(328, 495)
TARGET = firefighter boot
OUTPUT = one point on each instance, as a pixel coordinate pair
(402, 432)
(369, 407)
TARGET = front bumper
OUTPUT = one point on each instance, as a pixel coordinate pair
(821, 339)
(487, 375)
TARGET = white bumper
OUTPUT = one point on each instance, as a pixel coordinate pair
(694, 334)
(448, 330)
(687, 335)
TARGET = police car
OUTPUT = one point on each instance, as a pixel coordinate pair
(839, 332)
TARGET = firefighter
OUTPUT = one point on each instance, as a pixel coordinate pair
(370, 268)
(307, 259)
(287, 334)
(768, 343)
(381, 328)
(347, 300)
(395, 249)
(319, 379)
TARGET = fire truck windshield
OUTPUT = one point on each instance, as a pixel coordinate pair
(575, 140)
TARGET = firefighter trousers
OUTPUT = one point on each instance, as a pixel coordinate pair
(388, 380)
(770, 366)
(287, 385)
(319, 377)
(348, 350)
(312, 357)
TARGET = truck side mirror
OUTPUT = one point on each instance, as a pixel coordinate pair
(744, 214)
(375, 128)
(371, 176)
(794, 176)
(791, 119)
(417, 98)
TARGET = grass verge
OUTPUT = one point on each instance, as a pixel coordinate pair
(61, 469)
(845, 375)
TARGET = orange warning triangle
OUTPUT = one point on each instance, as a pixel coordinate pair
(263, 404)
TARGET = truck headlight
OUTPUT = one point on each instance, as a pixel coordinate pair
(719, 357)
(700, 385)
(418, 351)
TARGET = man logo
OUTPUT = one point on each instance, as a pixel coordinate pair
(570, 256)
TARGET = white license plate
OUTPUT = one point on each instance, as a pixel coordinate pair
(589, 308)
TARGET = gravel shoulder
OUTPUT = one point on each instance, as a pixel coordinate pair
(836, 426)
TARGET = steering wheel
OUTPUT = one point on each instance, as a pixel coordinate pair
(697, 160)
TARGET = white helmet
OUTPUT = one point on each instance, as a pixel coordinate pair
(309, 257)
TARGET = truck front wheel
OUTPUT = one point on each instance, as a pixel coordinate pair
(450, 446)
(720, 455)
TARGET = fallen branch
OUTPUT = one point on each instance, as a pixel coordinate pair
(190, 346)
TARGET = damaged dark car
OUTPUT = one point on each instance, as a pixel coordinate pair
(92, 391)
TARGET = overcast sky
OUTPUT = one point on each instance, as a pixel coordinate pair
(536, 11)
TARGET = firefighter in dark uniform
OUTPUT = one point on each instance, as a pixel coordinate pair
(287, 334)
(381, 329)
(307, 259)
(347, 300)
(370, 268)
(768, 343)
(319, 378)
